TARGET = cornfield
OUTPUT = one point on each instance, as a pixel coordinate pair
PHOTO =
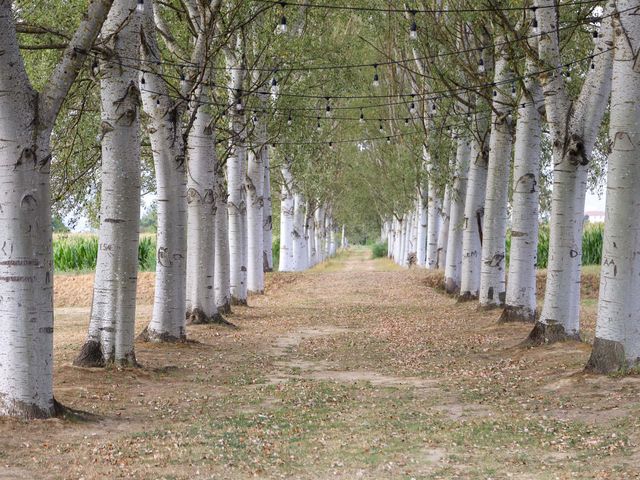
(78, 253)
(591, 245)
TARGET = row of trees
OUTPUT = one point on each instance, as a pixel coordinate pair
(177, 92)
(400, 117)
(545, 92)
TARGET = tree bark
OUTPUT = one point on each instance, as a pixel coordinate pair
(443, 234)
(521, 285)
(254, 185)
(493, 265)
(286, 220)
(165, 135)
(26, 259)
(617, 342)
(267, 213)
(574, 130)
(452, 274)
(113, 311)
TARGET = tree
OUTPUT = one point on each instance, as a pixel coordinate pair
(617, 342)
(27, 119)
(112, 323)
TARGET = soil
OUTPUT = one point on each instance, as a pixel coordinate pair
(355, 369)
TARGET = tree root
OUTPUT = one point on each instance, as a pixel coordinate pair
(517, 314)
(546, 333)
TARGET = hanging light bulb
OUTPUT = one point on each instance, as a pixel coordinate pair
(381, 127)
(567, 72)
(275, 88)
(495, 93)
(142, 80)
(361, 116)
(289, 120)
(413, 32)
(331, 145)
(433, 108)
(388, 140)
(255, 118)
(282, 26)
(406, 121)
(140, 6)
(534, 22)
(319, 127)
(239, 106)
(327, 111)
(513, 89)
(412, 106)
(595, 33)
(376, 77)
(481, 63)
(593, 65)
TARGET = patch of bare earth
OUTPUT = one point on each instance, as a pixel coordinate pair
(353, 370)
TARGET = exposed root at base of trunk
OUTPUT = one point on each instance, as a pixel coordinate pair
(148, 335)
(239, 302)
(90, 355)
(225, 309)
(467, 297)
(517, 314)
(489, 307)
(607, 356)
(451, 287)
(546, 333)
(198, 317)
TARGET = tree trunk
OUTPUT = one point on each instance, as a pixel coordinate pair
(254, 184)
(493, 266)
(617, 342)
(26, 259)
(267, 213)
(443, 235)
(168, 319)
(433, 216)
(472, 226)
(521, 285)
(286, 221)
(113, 312)
(574, 130)
(221, 275)
(453, 266)
(300, 254)
(202, 163)
(421, 247)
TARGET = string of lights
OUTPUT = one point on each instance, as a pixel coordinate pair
(381, 63)
(325, 6)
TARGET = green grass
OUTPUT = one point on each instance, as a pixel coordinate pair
(79, 253)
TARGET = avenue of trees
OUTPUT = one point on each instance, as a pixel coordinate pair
(443, 124)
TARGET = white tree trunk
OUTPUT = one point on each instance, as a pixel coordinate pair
(300, 254)
(433, 216)
(286, 221)
(452, 274)
(254, 184)
(26, 263)
(112, 325)
(617, 342)
(221, 275)
(443, 234)
(267, 213)
(421, 247)
(472, 223)
(493, 267)
(573, 130)
(521, 284)
(168, 319)
(202, 165)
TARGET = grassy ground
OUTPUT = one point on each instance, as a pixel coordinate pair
(355, 369)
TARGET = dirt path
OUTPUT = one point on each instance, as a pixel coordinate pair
(355, 369)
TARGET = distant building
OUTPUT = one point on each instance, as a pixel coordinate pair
(594, 216)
